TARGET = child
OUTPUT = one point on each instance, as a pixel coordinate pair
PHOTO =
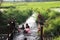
(27, 30)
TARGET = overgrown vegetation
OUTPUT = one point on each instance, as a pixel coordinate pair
(24, 10)
(52, 24)
(19, 16)
(33, 5)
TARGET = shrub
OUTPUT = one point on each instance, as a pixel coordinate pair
(20, 17)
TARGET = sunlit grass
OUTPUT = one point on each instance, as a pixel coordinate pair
(33, 5)
(57, 38)
(39, 6)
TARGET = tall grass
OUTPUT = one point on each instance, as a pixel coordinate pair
(33, 5)
(22, 11)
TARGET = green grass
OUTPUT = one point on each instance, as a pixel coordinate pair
(52, 23)
(57, 38)
(33, 5)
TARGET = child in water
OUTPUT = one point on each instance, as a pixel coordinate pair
(27, 29)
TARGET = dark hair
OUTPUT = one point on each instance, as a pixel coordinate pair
(25, 38)
(27, 26)
(23, 27)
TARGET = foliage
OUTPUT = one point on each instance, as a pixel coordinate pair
(57, 38)
(20, 17)
(52, 24)
(23, 11)
(33, 5)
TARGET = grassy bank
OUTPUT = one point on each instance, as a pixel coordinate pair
(33, 5)
(24, 9)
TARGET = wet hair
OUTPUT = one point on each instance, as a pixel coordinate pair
(25, 38)
(27, 26)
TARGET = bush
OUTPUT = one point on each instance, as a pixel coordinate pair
(20, 17)
(52, 23)
(57, 38)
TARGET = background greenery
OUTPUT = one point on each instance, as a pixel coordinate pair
(23, 10)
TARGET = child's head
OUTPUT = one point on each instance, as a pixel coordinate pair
(27, 26)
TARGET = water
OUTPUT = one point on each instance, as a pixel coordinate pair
(33, 26)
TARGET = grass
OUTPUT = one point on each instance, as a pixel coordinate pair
(36, 6)
(57, 38)
(33, 5)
